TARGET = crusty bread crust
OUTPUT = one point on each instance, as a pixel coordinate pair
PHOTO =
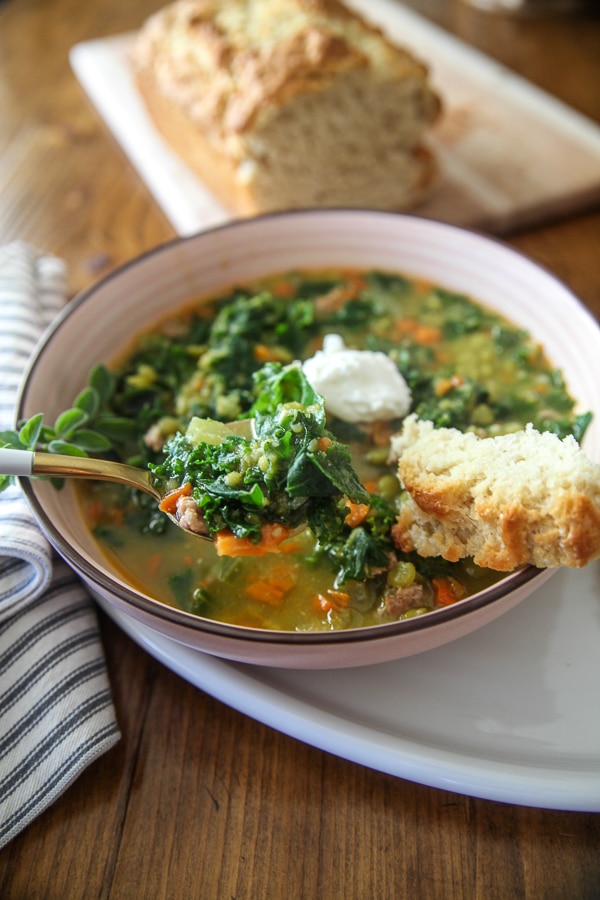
(217, 171)
(288, 103)
(524, 498)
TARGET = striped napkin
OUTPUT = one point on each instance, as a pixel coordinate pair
(56, 711)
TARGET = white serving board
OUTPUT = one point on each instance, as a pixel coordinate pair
(510, 155)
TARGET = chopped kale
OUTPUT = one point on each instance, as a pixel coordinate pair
(362, 552)
(286, 474)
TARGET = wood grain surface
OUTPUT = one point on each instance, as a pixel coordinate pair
(197, 800)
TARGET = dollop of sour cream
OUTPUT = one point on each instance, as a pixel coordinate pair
(357, 385)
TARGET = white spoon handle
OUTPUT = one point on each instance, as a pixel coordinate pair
(16, 462)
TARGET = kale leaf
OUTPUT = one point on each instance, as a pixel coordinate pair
(288, 473)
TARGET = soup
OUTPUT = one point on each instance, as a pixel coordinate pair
(465, 366)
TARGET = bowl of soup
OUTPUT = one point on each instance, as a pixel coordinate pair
(484, 340)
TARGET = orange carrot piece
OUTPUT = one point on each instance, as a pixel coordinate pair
(420, 286)
(169, 503)
(381, 432)
(249, 620)
(446, 384)
(427, 335)
(358, 513)
(331, 601)
(284, 576)
(227, 544)
(266, 592)
(370, 486)
(290, 547)
(264, 353)
(447, 590)
(283, 289)
(403, 328)
(358, 281)
(323, 443)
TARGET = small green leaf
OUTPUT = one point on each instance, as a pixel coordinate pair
(117, 428)
(47, 434)
(69, 421)
(91, 441)
(89, 401)
(11, 440)
(30, 431)
(59, 446)
(5, 481)
(102, 381)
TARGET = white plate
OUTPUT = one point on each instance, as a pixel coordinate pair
(494, 175)
(510, 713)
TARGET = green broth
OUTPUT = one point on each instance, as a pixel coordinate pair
(467, 367)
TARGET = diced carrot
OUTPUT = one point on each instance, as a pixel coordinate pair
(283, 575)
(420, 286)
(381, 433)
(169, 503)
(227, 544)
(264, 353)
(358, 513)
(331, 601)
(447, 590)
(427, 335)
(422, 334)
(249, 620)
(266, 592)
(357, 281)
(283, 289)
(403, 328)
(290, 547)
(443, 385)
(323, 443)
(273, 588)
(370, 486)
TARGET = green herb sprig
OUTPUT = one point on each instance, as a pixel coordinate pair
(85, 429)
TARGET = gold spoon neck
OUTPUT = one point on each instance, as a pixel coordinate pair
(55, 465)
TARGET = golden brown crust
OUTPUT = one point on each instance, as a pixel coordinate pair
(263, 52)
(216, 170)
(526, 498)
(237, 77)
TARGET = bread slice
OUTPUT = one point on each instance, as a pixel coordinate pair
(523, 498)
(281, 104)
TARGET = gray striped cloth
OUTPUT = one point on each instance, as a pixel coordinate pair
(56, 710)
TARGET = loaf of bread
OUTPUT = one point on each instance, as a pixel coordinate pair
(523, 498)
(281, 104)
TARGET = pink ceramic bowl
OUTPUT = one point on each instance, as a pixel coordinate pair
(99, 322)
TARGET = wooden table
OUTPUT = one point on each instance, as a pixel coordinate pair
(198, 800)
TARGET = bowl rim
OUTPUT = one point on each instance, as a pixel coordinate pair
(511, 582)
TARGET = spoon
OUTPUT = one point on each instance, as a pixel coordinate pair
(29, 463)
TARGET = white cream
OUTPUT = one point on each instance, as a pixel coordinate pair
(357, 385)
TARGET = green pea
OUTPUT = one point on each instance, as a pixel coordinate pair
(482, 415)
(378, 456)
(414, 611)
(402, 575)
(389, 487)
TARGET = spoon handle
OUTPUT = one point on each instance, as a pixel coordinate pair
(27, 463)
(16, 462)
